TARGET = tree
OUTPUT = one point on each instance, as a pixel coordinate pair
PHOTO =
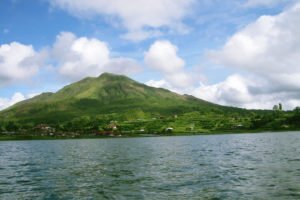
(12, 126)
(275, 107)
(1, 127)
(280, 106)
(295, 118)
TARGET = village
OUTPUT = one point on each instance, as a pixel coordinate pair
(177, 124)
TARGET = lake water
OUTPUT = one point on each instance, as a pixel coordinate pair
(242, 166)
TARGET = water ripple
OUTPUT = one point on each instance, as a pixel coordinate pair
(245, 166)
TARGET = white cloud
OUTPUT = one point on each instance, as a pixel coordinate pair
(247, 92)
(141, 18)
(5, 102)
(269, 49)
(81, 57)
(269, 46)
(17, 62)
(162, 56)
(163, 84)
(158, 84)
(122, 65)
(17, 97)
(233, 90)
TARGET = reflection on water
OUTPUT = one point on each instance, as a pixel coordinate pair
(246, 166)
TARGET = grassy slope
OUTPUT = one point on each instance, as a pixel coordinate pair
(106, 94)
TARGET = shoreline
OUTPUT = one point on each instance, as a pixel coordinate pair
(29, 138)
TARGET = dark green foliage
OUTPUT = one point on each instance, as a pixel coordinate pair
(12, 126)
(294, 119)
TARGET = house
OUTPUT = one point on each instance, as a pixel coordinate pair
(169, 129)
(112, 126)
(44, 128)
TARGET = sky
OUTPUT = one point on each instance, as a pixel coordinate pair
(243, 53)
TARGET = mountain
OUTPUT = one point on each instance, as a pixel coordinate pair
(106, 94)
(118, 103)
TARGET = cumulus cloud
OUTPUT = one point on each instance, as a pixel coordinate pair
(234, 90)
(17, 97)
(163, 84)
(142, 18)
(17, 62)
(269, 46)
(269, 49)
(247, 92)
(162, 56)
(122, 66)
(80, 57)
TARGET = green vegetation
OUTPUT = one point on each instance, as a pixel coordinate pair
(114, 104)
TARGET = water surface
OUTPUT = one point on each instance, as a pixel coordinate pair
(242, 166)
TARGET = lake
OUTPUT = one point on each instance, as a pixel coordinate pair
(235, 166)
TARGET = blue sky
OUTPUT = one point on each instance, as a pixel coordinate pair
(241, 53)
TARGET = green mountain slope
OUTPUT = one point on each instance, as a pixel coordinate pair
(105, 94)
(117, 103)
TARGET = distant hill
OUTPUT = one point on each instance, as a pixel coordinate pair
(106, 94)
